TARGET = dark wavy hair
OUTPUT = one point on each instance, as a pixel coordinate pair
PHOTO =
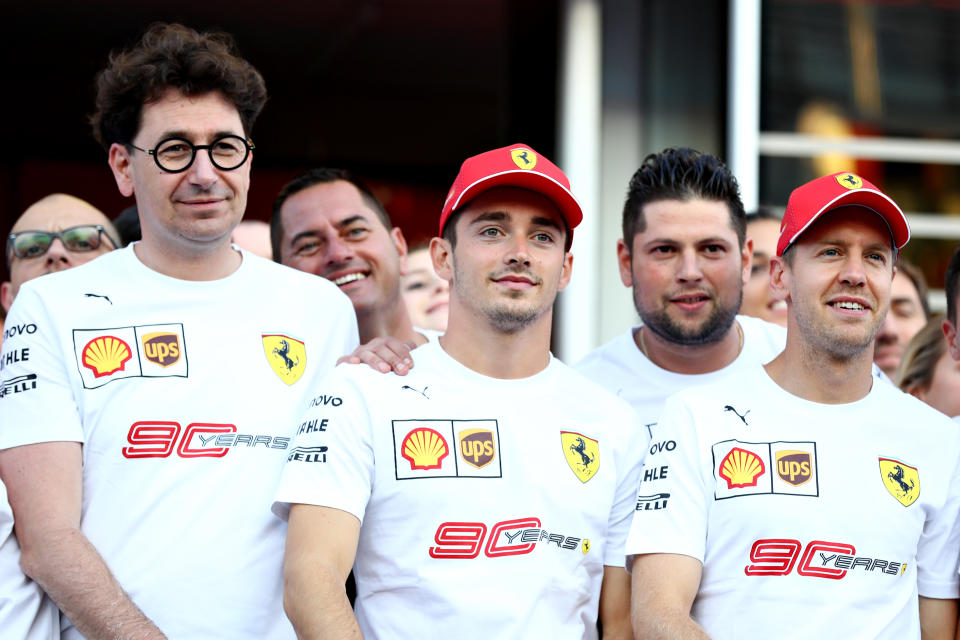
(681, 174)
(172, 56)
(952, 286)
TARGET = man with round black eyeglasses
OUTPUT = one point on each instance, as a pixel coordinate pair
(55, 233)
(145, 405)
(175, 155)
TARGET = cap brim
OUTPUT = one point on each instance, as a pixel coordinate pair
(870, 199)
(525, 179)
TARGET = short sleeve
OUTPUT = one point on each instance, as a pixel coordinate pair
(330, 462)
(938, 552)
(621, 513)
(37, 402)
(671, 506)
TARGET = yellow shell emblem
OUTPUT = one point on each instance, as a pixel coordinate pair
(106, 355)
(901, 480)
(424, 448)
(524, 158)
(850, 180)
(741, 468)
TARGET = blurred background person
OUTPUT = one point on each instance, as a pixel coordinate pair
(254, 236)
(909, 312)
(426, 294)
(55, 233)
(764, 227)
(127, 224)
(928, 372)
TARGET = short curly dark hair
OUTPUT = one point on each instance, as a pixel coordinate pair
(172, 55)
(681, 174)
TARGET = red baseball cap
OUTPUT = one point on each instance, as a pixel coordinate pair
(810, 201)
(515, 166)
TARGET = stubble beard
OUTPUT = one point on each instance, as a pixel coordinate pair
(835, 344)
(711, 330)
(503, 317)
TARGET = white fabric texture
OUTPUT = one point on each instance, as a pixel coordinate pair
(620, 367)
(25, 611)
(475, 522)
(811, 520)
(181, 394)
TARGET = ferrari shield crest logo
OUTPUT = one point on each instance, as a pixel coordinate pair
(287, 356)
(901, 480)
(849, 180)
(523, 158)
(582, 454)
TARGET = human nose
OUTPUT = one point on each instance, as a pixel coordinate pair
(853, 273)
(202, 172)
(57, 256)
(519, 251)
(338, 251)
(690, 270)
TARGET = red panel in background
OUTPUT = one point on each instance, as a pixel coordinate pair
(413, 208)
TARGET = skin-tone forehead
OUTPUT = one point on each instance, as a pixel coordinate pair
(335, 201)
(502, 199)
(836, 219)
(904, 289)
(57, 212)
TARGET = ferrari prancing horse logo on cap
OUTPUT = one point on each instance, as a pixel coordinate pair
(523, 158)
(849, 180)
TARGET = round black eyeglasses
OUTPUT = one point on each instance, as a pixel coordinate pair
(174, 155)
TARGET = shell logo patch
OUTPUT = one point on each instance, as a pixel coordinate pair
(901, 480)
(850, 180)
(287, 356)
(424, 448)
(523, 158)
(741, 468)
(162, 348)
(582, 454)
(106, 355)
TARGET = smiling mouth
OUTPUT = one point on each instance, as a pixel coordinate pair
(848, 304)
(350, 277)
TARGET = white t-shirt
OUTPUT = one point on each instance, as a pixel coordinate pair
(620, 367)
(182, 394)
(489, 507)
(811, 520)
(25, 611)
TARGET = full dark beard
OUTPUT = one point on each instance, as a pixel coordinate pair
(713, 329)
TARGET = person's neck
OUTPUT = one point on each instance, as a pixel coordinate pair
(211, 263)
(496, 354)
(394, 321)
(690, 359)
(816, 376)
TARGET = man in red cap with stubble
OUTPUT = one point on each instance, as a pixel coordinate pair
(805, 498)
(488, 492)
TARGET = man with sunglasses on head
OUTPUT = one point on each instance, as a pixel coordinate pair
(146, 404)
(55, 233)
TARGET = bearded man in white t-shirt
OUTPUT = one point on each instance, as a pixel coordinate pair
(486, 493)
(806, 498)
(686, 254)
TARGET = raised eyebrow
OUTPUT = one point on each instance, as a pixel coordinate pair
(179, 133)
(303, 234)
(547, 222)
(346, 222)
(490, 216)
